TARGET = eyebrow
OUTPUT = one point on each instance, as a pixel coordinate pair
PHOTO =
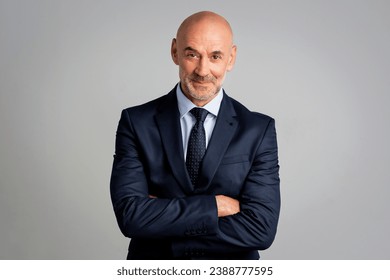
(190, 49)
(217, 52)
(194, 50)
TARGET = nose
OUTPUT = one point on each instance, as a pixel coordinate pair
(203, 67)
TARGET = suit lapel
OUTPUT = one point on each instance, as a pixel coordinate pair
(168, 122)
(223, 132)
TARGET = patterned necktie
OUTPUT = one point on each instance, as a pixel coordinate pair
(196, 145)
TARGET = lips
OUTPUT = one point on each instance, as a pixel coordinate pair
(201, 83)
(202, 80)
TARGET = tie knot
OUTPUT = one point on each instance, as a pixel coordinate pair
(199, 113)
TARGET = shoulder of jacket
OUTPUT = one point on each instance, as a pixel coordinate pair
(243, 111)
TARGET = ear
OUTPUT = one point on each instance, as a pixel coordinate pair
(232, 58)
(174, 51)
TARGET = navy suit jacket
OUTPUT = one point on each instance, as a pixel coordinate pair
(241, 161)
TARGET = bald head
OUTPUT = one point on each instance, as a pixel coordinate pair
(205, 20)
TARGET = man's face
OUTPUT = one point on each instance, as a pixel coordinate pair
(204, 53)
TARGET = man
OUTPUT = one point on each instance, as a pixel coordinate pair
(202, 183)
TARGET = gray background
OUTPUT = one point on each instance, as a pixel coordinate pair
(67, 69)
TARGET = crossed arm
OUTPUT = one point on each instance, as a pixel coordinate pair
(225, 222)
(225, 205)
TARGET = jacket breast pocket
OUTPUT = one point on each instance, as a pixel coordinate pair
(234, 159)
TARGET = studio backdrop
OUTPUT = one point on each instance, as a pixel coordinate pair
(68, 68)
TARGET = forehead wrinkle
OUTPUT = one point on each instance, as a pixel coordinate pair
(209, 45)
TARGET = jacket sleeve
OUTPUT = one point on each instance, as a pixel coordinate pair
(254, 227)
(137, 214)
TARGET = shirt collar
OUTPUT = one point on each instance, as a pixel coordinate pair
(185, 105)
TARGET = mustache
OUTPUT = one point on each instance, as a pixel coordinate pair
(196, 78)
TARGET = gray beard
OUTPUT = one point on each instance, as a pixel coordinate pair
(196, 96)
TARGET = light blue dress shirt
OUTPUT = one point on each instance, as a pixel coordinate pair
(187, 120)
